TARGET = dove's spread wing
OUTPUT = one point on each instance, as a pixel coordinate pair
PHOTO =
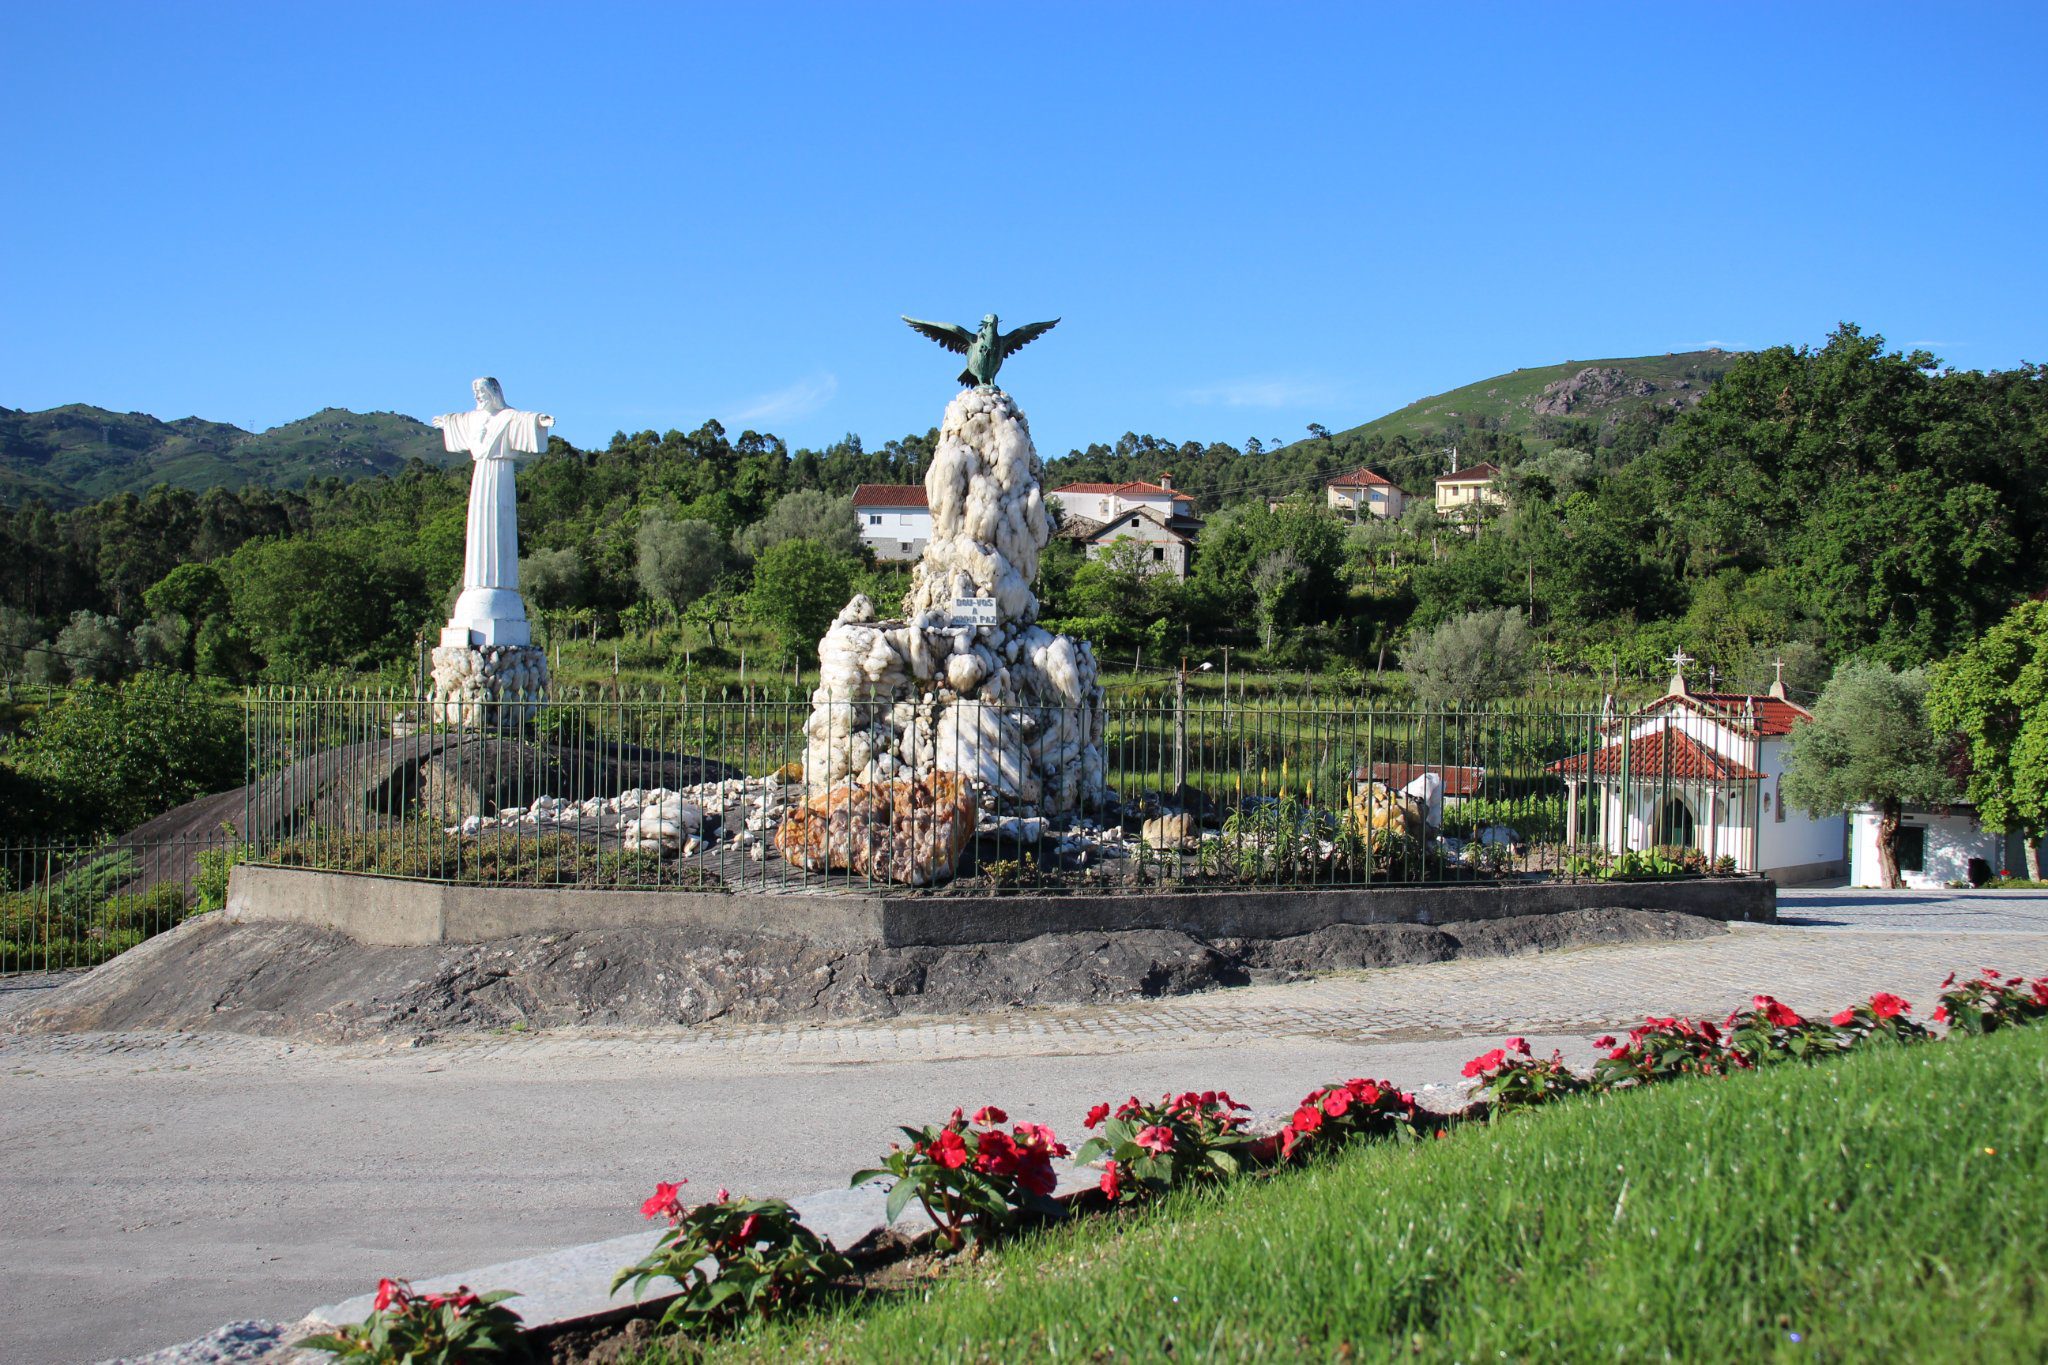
(948, 335)
(1013, 342)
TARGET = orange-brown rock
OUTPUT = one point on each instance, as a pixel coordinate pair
(904, 831)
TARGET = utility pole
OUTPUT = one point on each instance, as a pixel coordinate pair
(1180, 729)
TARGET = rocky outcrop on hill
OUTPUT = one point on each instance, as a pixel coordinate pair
(1599, 386)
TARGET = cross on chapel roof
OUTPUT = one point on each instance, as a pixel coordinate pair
(1678, 659)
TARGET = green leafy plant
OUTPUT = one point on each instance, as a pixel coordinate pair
(1150, 1148)
(762, 1259)
(1663, 1049)
(1334, 1114)
(1885, 1019)
(1770, 1032)
(1513, 1078)
(1990, 1002)
(406, 1328)
(971, 1179)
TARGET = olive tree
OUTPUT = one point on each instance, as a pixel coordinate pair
(1472, 659)
(1869, 743)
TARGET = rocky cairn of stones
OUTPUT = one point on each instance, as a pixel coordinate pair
(487, 684)
(963, 704)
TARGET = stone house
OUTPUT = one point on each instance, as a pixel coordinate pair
(1165, 545)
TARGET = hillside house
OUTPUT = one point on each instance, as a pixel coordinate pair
(895, 519)
(1166, 545)
(1464, 496)
(1936, 847)
(1363, 493)
(1701, 770)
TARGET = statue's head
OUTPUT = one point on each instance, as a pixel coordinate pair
(988, 322)
(489, 397)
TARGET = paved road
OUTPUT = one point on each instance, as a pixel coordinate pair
(175, 1182)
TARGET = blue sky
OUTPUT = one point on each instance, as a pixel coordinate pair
(1250, 217)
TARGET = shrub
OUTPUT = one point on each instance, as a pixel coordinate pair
(971, 1179)
(1512, 1078)
(405, 1328)
(1334, 1114)
(1153, 1148)
(764, 1260)
(1990, 1002)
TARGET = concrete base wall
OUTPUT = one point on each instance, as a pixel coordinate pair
(392, 910)
(1805, 873)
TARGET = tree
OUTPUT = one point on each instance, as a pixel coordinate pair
(311, 602)
(1994, 697)
(555, 581)
(93, 646)
(1274, 581)
(1472, 659)
(1869, 743)
(799, 586)
(807, 514)
(677, 562)
(111, 757)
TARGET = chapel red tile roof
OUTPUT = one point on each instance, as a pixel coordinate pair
(1769, 716)
(890, 495)
(1478, 473)
(1360, 477)
(1660, 755)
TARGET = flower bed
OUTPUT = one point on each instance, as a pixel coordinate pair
(983, 1178)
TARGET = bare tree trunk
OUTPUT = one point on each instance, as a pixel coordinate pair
(1888, 843)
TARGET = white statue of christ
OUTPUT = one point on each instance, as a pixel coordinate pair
(490, 611)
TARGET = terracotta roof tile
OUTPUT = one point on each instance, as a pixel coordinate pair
(890, 495)
(1475, 474)
(1360, 477)
(1660, 755)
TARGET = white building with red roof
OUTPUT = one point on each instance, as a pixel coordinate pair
(1106, 502)
(895, 519)
(1466, 496)
(1704, 771)
(1158, 516)
(1365, 492)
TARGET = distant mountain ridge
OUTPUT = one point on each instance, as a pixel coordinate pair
(78, 453)
(1515, 403)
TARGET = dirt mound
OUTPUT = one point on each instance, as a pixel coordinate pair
(292, 981)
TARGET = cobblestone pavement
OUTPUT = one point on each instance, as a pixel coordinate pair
(180, 1181)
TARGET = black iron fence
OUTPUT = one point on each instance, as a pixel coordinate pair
(732, 791)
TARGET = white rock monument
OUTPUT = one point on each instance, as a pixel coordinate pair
(966, 683)
(486, 664)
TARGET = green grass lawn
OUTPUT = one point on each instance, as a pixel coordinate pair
(1890, 1205)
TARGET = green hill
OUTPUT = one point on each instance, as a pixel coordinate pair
(78, 453)
(1581, 390)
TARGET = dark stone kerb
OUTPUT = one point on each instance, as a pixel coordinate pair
(913, 921)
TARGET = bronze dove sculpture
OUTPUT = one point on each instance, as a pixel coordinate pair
(986, 349)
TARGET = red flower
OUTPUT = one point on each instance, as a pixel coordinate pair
(1845, 1018)
(1888, 1005)
(1307, 1119)
(997, 1155)
(662, 1203)
(1097, 1115)
(1156, 1139)
(746, 1232)
(1112, 1181)
(1365, 1092)
(1991, 972)
(1604, 1040)
(723, 1194)
(1038, 1137)
(1780, 1015)
(950, 1150)
(1336, 1103)
(1486, 1061)
(2041, 992)
(1520, 1045)
(388, 1293)
(989, 1114)
(1950, 979)
(1941, 1014)
(1035, 1174)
